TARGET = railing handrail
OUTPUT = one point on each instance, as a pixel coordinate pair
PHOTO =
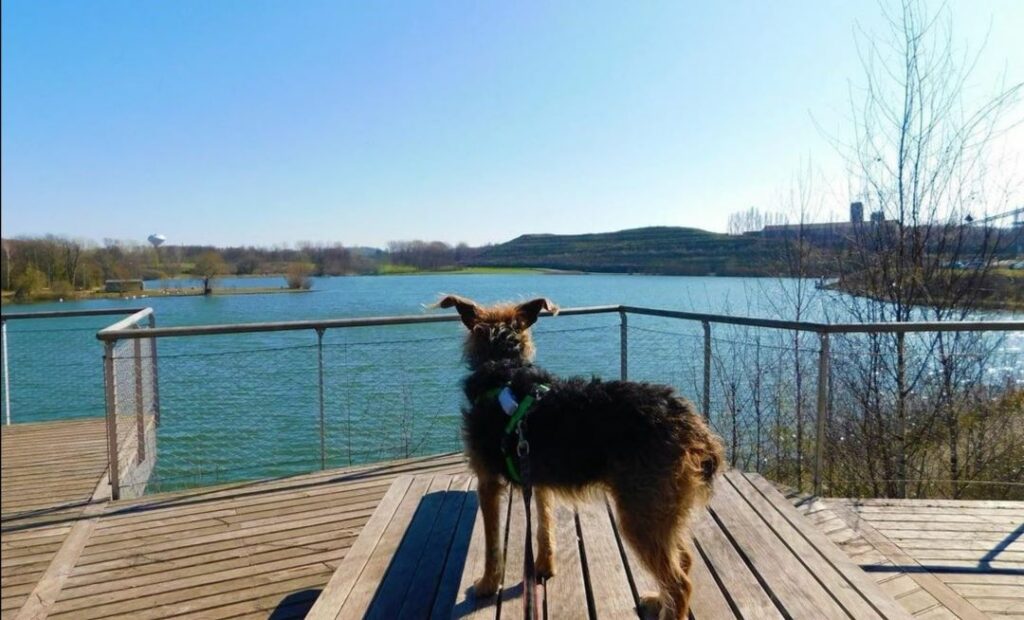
(110, 333)
(834, 328)
(127, 322)
(60, 314)
(121, 330)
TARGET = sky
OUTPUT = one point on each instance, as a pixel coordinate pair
(274, 123)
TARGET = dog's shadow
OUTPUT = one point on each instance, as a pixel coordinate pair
(471, 604)
(425, 572)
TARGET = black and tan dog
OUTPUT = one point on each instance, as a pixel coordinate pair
(640, 442)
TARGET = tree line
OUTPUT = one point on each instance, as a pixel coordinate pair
(63, 265)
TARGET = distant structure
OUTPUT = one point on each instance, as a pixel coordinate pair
(856, 212)
(123, 286)
(156, 240)
(827, 232)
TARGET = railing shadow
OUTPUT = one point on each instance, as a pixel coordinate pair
(984, 566)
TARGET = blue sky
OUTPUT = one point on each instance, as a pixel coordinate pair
(277, 122)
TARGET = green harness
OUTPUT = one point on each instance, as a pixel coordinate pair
(517, 413)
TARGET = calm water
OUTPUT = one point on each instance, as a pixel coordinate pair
(237, 407)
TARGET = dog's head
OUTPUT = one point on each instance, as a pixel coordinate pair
(500, 332)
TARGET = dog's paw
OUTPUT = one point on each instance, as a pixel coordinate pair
(546, 565)
(650, 606)
(485, 587)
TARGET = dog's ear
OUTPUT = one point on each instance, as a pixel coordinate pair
(468, 310)
(528, 312)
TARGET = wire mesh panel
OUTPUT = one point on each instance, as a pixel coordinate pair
(132, 412)
(395, 392)
(253, 405)
(53, 369)
(236, 408)
(925, 415)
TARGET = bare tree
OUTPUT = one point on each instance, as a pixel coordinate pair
(919, 153)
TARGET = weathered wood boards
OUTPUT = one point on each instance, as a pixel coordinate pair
(755, 557)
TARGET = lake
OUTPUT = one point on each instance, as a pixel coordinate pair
(245, 406)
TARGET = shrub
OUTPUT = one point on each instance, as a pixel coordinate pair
(297, 276)
(29, 283)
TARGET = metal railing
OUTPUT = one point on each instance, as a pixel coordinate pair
(55, 361)
(132, 396)
(293, 376)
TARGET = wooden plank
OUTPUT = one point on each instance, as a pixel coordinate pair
(239, 545)
(565, 593)
(199, 568)
(340, 586)
(607, 578)
(46, 591)
(929, 582)
(937, 503)
(390, 587)
(32, 480)
(457, 557)
(793, 586)
(363, 592)
(858, 594)
(427, 573)
(707, 600)
(739, 585)
(511, 592)
(467, 604)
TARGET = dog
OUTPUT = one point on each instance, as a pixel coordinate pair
(639, 442)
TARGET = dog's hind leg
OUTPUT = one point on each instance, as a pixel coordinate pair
(545, 532)
(490, 491)
(652, 524)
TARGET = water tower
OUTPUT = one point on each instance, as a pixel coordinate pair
(156, 240)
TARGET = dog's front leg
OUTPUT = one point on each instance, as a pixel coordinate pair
(490, 491)
(545, 532)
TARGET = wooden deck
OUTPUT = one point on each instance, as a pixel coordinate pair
(266, 549)
(941, 559)
(241, 550)
(756, 557)
(49, 473)
(50, 469)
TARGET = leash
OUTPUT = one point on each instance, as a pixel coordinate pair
(517, 412)
(531, 602)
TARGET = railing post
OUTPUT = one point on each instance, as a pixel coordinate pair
(140, 409)
(156, 376)
(110, 393)
(819, 444)
(320, 382)
(707, 369)
(623, 346)
(7, 376)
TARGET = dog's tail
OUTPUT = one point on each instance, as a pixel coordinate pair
(704, 453)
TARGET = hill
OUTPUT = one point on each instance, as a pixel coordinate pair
(654, 250)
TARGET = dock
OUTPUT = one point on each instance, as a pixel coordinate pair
(271, 548)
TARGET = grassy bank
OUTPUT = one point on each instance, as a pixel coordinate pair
(1001, 289)
(50, 296)
(405, 270)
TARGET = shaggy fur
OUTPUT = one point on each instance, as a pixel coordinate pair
(640, 442)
